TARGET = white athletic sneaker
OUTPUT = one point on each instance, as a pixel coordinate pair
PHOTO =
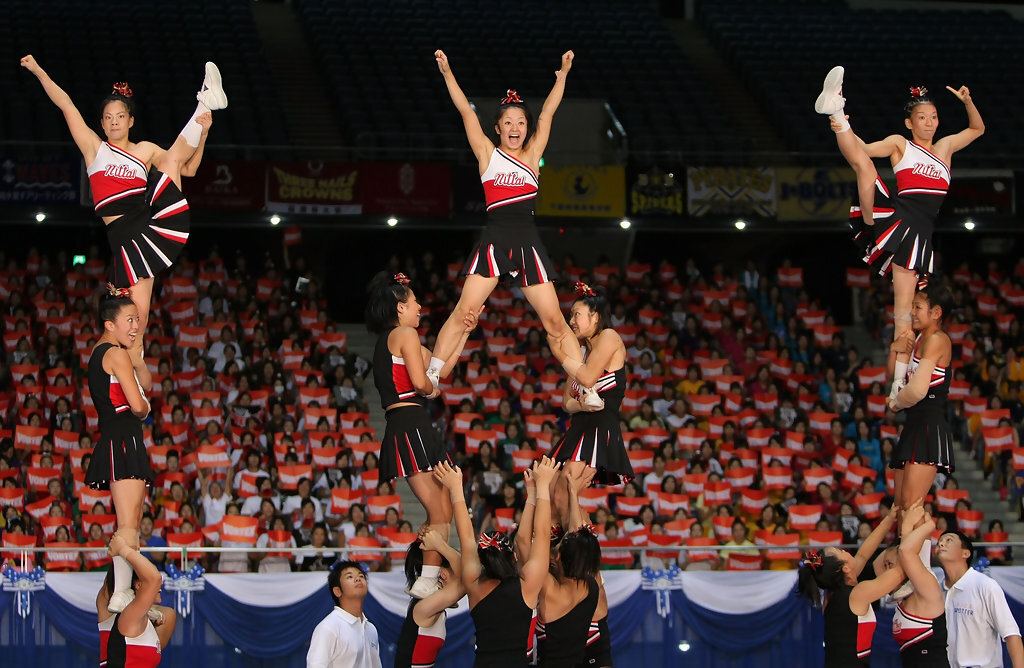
(120, 600)
(423, 587)
(905, 590)
(212, 93)
(435, 377)
(155, 616)
(830, 100)
(591, 398)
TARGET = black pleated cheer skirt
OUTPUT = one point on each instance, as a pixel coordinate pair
(120, 454)
(926, 439)
(596, 440)
(410, 445)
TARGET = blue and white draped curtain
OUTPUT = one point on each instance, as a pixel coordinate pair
(742, 619)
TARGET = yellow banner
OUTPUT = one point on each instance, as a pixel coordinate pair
(818, 194)
(582, 191)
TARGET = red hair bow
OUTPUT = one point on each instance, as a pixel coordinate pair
(496, 540)
(511, 97)
(121, 88)
(813, 560)
(918, 91)
(118, 292)
(584, 289)
(401, 279)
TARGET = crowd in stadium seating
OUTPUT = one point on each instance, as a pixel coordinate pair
(750, 422)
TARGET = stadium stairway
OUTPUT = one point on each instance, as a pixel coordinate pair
(308, 114)
(754, 132)
(362, 342)
(969, 473)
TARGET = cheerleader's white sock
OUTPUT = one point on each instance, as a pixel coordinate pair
(436, 364)
(430, 572)
(840, 117)
(926, 553)
(122, 574)
(193, 132)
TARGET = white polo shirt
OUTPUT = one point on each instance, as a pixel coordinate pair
(341, 640)
(977, 619)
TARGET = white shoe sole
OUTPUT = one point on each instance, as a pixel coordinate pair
(830, 100)
(212, 93)
(119, 601)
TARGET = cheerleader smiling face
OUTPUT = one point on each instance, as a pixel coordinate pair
(409, 311)
(512, 128)
(583, 320)
(124, 327)
(923, 314)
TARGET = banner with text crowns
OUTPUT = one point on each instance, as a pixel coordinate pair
(582, 191)
(815, 194)
(30, 181)
(236, 185)
(730, 191)
(317, 188)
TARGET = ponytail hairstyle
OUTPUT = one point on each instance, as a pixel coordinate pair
(120, 93)
(497, 559)
(819, 572)
(414, 562)
(112, 302)
(382, 306)
(512, 100)
(597, 302)
(918, 96)
(939, 295)
(580, 554)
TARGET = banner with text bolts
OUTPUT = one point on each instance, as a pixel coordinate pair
(235, 185)
(410, 189)
(657, 192)
(319, 188)
(28, 181)
(582, 191)
(815, 194)
(730, 191)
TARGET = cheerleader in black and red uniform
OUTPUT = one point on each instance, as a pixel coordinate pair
(926, 442)
(119, 461)
(510, 245)
(849, 617)
(594, 436)
(425, 628)
(137, 186)
(158, 614)
(411, 446)
(135, 642)
(896, 232)
(919, 622)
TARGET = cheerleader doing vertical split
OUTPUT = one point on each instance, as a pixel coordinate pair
(411, 446)
(510, 245)
(594, 436)
(896, 232)
(120, 462)
(849, 616)
(926, 442)
(136, 187)
(425, 628)
(134, 641)
(502, 597)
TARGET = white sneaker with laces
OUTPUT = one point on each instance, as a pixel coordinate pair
(591, 398)
(120, 600)
(423, 587)
(905, 590)
(212, 93)
(155, 616)
(435, 377)
(830, 100)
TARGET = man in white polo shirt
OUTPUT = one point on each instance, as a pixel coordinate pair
(977, 615)
(345, 638)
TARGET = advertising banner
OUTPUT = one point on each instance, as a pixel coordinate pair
(656, 192)
(815, 194)
(582, 191)
(43, 181)
(730, 191)
(395, 188)
(319, 188)
(234, 185)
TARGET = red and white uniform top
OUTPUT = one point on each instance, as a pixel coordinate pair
(938, 373)
(919, 172)
(104, 628)
(508, 180)
(429, 642)
(117, 396)
(142, 651)
(118, 180)
(909, 630)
